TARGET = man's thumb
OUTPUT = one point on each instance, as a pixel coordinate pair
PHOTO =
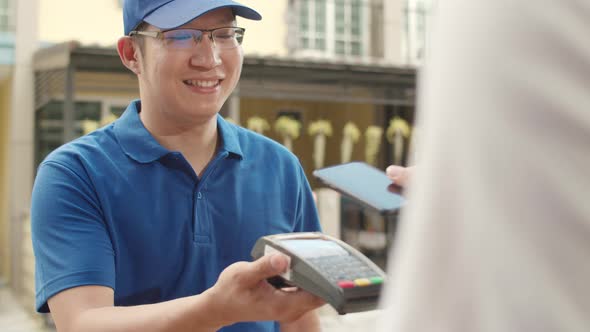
(268, 266)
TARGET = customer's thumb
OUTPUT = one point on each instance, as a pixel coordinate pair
(394, 172)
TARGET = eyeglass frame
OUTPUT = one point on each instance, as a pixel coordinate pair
(160, 34)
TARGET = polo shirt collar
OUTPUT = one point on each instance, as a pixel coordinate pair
(229, 137)
(137, 142)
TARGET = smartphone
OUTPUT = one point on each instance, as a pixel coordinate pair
(364, 183)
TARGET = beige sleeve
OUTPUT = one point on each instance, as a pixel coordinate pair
(497, 236)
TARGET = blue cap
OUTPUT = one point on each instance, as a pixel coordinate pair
(170, 14)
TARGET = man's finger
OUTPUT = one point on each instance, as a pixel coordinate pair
(305, 299)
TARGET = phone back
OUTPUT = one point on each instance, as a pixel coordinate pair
(364, 183)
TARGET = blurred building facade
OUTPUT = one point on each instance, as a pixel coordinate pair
(335, 60)
(7, 29)
(416, 23)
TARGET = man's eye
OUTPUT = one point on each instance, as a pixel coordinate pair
(225, 36)
(179, 36)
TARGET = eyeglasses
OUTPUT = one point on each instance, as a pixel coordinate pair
(222, 38)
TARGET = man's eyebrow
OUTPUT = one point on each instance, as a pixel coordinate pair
(227, 23)
(227, 20)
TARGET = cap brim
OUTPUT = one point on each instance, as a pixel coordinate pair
(177, 13)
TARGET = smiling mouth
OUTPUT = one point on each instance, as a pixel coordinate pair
(202, 84)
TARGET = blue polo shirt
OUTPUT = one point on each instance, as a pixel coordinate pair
(117, 209)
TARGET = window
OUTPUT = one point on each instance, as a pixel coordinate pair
(49, 129)
(417, 15)
(117, 110)
(49, 124)
(331, 27)
(312, 24)
(348, 23)
(7, 16)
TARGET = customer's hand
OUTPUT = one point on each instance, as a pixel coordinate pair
(400, 175)
(243, 294)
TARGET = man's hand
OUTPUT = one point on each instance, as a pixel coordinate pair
(400, 175)
(243, 294)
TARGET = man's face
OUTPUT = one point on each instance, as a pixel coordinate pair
(189, 84)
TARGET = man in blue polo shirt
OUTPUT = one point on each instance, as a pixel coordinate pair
(139, 225)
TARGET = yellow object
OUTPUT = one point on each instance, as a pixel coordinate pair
(89, 126)
(232, 121)
(362, 282)
(258, 124)
(351, 135)
(289, 129)
(373, 133)
(287, 126)
(352, 131)
(397, 124)
(320, 127)
(108, 119)
(373, 142)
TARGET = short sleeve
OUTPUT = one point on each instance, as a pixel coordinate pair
(71, 243)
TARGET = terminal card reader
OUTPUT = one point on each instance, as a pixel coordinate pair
(327, 268)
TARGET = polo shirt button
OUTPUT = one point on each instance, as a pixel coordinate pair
(199, 196)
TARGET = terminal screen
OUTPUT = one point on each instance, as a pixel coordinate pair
(310, 248)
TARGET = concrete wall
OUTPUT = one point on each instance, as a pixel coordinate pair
(5, 92)
(268, 36)
(393, 21)
(21, 144)
(90, 22)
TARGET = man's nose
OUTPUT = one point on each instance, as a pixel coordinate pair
(206, 35)
(205, 54)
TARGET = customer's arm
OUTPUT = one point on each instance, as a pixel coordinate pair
(495, 237)
(241, 294)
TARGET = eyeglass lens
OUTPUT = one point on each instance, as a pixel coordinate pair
(223, 37)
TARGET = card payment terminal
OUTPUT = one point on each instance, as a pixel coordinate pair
(325, 267)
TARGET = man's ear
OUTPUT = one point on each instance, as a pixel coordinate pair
(130, 54)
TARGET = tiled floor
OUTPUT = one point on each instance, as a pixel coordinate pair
(13, 318)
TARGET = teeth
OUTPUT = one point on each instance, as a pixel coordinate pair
(201, 84)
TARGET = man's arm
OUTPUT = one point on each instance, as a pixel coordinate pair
(90, 308)
(240, 294)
